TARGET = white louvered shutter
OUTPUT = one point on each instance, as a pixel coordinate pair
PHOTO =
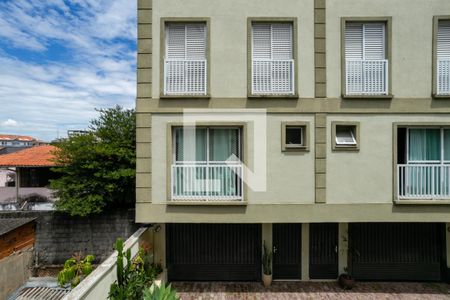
(272, 54)
(443, 56)
(185, 65)
(374, 41)
(281, 41)
(365, 41)
(195, 41)
(443, 40)
(262, 41)
(354, 41)
(175, 41)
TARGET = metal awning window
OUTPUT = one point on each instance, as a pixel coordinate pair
(345, 135)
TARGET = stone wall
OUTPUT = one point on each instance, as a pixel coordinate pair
(59, 236)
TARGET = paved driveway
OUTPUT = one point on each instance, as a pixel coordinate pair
(311, 290)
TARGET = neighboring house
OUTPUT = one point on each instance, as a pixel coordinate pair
(32, 173)
(17, 238)
(357, 100)
(16, 234)
(12, 143)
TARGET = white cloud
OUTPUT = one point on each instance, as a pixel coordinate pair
(9, 123)
(50, 95)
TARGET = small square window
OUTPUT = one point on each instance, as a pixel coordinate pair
(294, 136)
(345, 136)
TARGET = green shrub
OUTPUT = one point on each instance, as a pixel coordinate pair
(163, 292)
(267, 260)
(75, 270)
(134, 276)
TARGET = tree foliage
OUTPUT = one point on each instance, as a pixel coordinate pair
(97, 169)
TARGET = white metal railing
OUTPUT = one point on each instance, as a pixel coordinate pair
(367, 77)
(273, 77)
(215, 182)
(185, 77)
(423, 181)
(443, 77)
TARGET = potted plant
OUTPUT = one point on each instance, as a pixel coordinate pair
(267, 266)
(346, 281)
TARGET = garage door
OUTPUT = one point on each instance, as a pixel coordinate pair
(213, 252)
(396, 251)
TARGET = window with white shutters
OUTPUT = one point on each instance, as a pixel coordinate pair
(443, 57)
(365, 59)
(185, 59)
(272, 59)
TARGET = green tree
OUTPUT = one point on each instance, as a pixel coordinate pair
(97, 169)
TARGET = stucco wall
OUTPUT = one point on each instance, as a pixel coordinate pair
(289, 175)
(366, 176)
(229, 39)
(412, 28)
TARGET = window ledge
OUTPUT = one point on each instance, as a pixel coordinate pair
(185, 96)
(422, 202)
(436, 96)
(345, 149)
(295, 96)
(206, 203)
(381, 97)
(295, 149)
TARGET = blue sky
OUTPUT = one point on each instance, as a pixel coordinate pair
(61, 59)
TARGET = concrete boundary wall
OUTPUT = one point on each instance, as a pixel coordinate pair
(59, 236)
(96, 285)
(15, 271)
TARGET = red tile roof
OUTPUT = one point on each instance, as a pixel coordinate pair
(13, 137)
(38, 156)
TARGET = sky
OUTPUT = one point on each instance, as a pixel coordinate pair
(62, 59)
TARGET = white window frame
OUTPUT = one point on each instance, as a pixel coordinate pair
(291, 61)
(445, 61)
(364, 60)
(167, 60)
(302, 134)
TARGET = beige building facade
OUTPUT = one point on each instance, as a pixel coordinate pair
(355, 97)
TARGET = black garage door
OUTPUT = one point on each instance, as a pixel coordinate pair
(213, 252)
(396, 251)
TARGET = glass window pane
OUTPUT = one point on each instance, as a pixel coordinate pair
(223, 143)
(294, 135)
(424, 144)
(186, 149)
(447, 144)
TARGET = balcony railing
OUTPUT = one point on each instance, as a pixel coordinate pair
(218, 182)
(273, 77)
(367, 77)
(185, 77)
(423, 181)
(443, 77)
